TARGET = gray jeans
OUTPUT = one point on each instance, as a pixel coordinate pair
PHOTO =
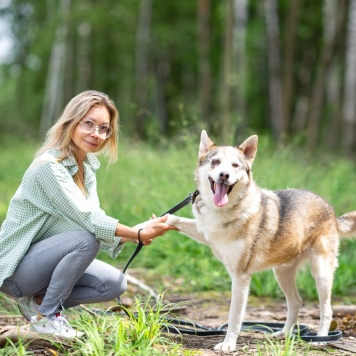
(64, 270)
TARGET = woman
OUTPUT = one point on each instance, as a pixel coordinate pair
(55, 227)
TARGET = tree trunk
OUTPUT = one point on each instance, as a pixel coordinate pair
(349, 107)
(239, 90)
(205, 86)
(288, 68)
(53, 97)
(227, 75)
(160, 72)
(274, 68)
(142, 60)
(83, 62)
(334, 87)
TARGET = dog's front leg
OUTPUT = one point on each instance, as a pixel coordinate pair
(187, 227)
(239, 294)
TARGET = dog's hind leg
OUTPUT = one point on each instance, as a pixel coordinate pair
(286, 276)
(322, 269)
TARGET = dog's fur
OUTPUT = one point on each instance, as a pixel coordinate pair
(251, 229)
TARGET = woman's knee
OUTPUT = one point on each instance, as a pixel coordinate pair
(116, 287)
(87, 241)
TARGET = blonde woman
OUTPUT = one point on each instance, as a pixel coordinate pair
(55, 227)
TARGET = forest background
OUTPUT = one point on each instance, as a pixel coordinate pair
(285, 70)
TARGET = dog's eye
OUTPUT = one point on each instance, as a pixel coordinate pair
(215, 162)
(235, 165)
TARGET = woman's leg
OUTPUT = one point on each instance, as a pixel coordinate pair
(52, 267)
(100, 282)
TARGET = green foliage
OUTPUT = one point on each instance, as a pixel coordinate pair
(111, 334)
(291, 346)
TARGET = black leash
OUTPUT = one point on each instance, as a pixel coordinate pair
(190, 328)
(190, 198)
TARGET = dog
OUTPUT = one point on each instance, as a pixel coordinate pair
(250, 229)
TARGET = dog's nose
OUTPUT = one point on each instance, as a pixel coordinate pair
(224, 176)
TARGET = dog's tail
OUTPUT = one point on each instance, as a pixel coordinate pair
(346, 224)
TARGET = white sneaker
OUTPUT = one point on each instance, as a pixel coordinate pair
(28, 306)
(55, 325)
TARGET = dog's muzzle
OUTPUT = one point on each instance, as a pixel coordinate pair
(213, 186)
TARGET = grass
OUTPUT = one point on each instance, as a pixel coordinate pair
(114, 335)
(109, 334)
(150, 179)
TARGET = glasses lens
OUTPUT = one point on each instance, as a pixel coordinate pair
(89, 127)
(108, 131)
(104, 130)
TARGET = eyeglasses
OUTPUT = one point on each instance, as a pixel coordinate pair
(89, 126)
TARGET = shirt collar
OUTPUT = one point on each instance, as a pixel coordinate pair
(72, 165)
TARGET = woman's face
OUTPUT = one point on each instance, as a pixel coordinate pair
(85, 141)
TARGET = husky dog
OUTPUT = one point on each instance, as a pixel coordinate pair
(250, 229)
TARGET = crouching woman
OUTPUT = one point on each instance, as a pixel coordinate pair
(55, 227)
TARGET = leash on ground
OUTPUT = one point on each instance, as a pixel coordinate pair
(302, 331)
(178, 326)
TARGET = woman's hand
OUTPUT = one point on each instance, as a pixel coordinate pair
(153, 228)
(150, 229)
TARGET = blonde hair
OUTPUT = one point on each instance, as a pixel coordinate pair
(59, 136)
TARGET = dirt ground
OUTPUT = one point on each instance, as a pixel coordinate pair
(210, 309)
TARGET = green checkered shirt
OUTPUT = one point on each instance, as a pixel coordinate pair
(49, 202)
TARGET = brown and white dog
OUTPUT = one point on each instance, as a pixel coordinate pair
(250, 229)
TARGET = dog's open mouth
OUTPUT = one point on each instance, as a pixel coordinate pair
(220, 191)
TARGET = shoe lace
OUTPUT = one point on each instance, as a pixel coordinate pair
(61, 321)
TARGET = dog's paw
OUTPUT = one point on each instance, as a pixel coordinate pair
(226, 346)
(172, 220)
(280, 335)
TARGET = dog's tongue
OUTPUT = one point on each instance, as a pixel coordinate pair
(220, 196)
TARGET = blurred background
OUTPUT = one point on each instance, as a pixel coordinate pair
(285, 68)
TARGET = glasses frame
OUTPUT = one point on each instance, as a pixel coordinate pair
(96, 128)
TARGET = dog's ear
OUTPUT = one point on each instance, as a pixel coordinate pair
(249, 148)
(206, 144)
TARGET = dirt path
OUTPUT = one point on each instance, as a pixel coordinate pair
(211, 309)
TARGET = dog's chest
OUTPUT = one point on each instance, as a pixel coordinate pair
(222, 240)
(230, 253)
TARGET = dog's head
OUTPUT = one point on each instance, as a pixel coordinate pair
(224, 170)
